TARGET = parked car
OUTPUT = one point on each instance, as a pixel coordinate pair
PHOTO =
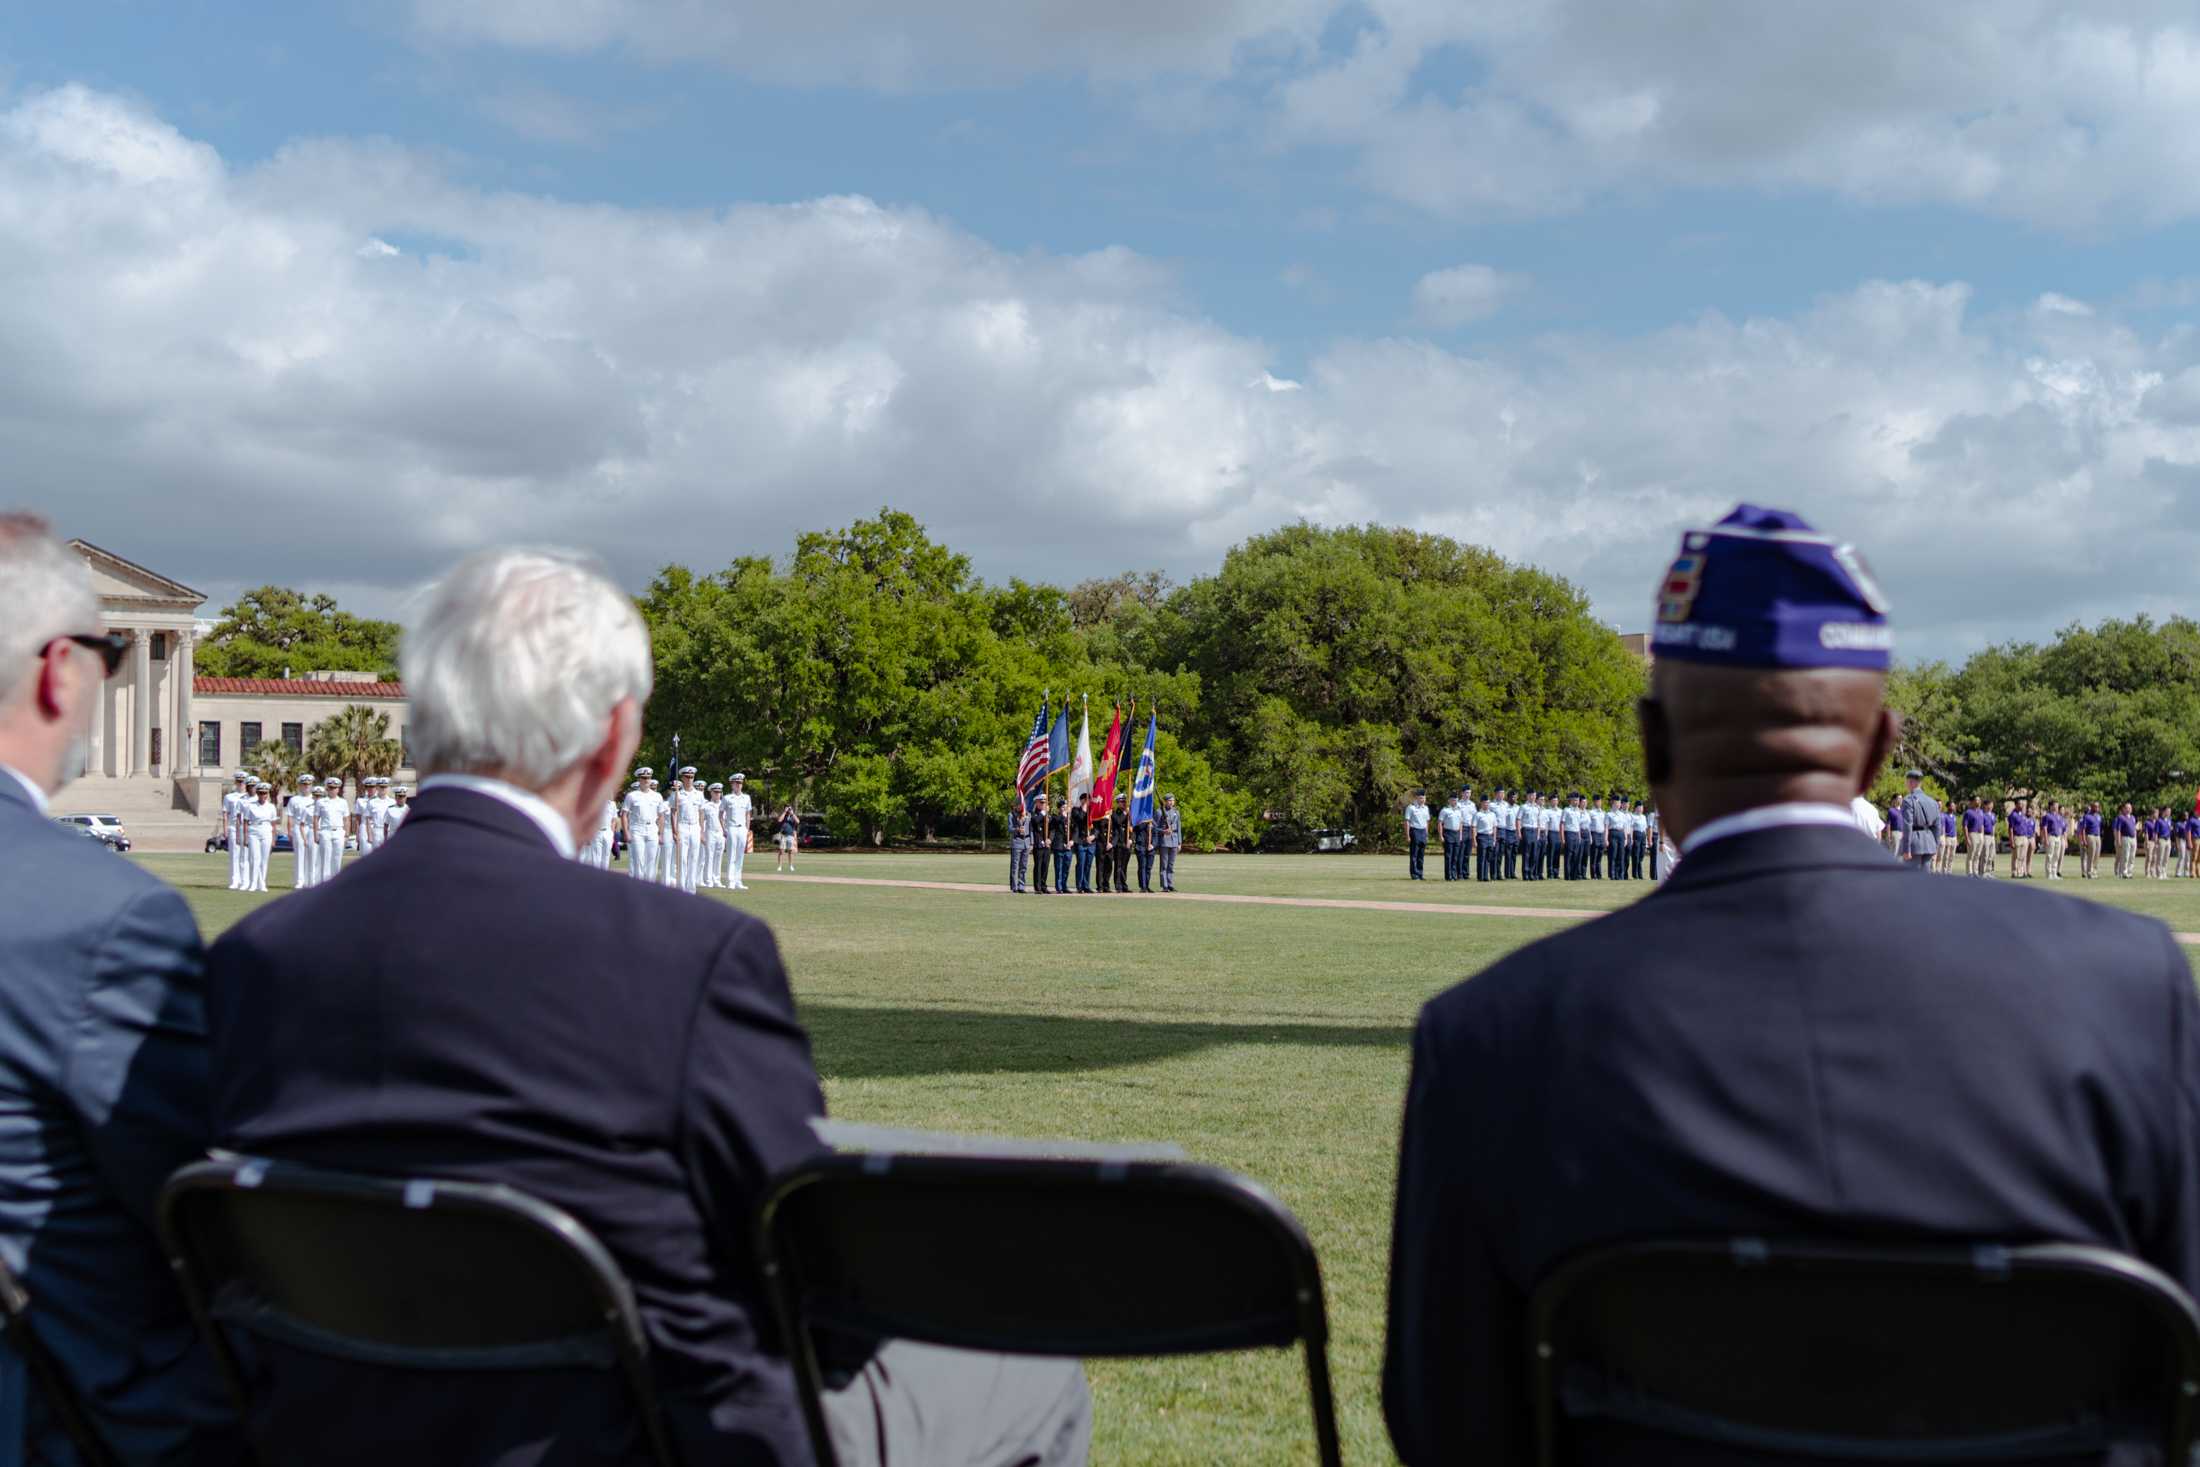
(814, 831)
(104, 828)
(1290, 836)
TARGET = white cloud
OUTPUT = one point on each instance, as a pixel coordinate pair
(201, 367)
(2075, 118)
(889, 43)
(1445, 300)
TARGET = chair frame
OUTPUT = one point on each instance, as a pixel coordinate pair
(2154, 1291)
(621, 1319)
(1220, 1187)
(46, 1375)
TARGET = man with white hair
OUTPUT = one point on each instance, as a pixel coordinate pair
(736, 813)
(103, 1059)
(617, 1051)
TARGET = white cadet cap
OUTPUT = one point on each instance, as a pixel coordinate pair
(687, 771)
(645, 770)
(739, 777)
(333, 782)
(240, 774)
(714, 784)
(263, 785)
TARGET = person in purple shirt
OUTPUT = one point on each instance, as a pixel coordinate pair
(2089, 841)
(1978, 822)
(2054, 837)
(2158, 847)
(1950, 823)
(2023, 832)
(2127, 841)
(1891, 837)
(2189, 847)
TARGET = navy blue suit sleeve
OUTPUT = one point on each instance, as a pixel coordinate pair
(2172, 1239)
(752, 1089)
(137, 1063)
(1452, 1378)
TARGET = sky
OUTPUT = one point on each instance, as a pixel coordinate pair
(328, 295)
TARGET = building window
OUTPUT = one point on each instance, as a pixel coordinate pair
(160, 646)
(405, 747)
(156, 750)
(294, 734)
(248, 739)
(210, 745)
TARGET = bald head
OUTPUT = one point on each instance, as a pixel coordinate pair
(1717, 740)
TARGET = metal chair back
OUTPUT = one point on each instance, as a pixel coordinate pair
(1024, 1257)
(1839, 1352)
(417, 1273)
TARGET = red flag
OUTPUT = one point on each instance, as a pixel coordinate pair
(1103, 773)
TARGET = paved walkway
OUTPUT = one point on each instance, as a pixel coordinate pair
(1555, 914)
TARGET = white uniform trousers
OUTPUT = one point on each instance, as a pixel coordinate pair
(329, 858)
(668, 858)
(641, 855)
(714, 858)
(303, 849)
(737, 849)
(691, 856)
(2055, 847)
(236, 854)
(256, 846)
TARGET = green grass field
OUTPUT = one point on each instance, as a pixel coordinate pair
(1269, 1039)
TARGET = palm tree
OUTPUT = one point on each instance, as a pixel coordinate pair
(277, 763)
(353, 743)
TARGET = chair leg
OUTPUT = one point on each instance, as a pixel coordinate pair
(1326, 1448)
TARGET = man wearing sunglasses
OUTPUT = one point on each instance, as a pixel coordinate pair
(102, 1051)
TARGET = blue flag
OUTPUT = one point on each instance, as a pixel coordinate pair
(1142, 787)
(1058, 742)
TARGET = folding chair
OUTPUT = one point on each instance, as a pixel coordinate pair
(1864, 1354)
(1021, 1257)
(423, 1274)
(46, 1376)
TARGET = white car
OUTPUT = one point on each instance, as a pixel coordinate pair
(101, 827)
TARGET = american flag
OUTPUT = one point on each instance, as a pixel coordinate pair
(1033, 771)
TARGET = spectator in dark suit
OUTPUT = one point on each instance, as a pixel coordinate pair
(103, 1088)
(475, 1004)
(1738, 1053)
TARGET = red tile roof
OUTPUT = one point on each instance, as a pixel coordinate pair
(295, 687)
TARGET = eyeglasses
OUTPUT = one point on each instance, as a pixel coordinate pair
(109, 645)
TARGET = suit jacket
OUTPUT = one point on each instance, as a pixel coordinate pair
(1738, 1053)
(1920, 824)
(471, 1004)
(103, 1093)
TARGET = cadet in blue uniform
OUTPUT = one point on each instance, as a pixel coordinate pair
(1042, 855)
(1791, 1037)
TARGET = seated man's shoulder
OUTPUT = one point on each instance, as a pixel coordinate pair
(1532, 977)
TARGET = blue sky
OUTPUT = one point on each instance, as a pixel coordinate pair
(1158, 276)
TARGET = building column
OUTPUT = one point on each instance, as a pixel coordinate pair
(95, 756)
(187, 731)
(141, 702)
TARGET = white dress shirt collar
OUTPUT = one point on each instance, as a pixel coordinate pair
(527, 802)
(1767, 817)
(37, 795)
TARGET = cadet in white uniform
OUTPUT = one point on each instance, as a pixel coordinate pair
(298, 823)
(259, 817)
(232, 819)
(736, 816)
(645, 812)
(687, 830)
(373, 801)
(714, 836)
(331, 816)
(597, 852)
(395, 814)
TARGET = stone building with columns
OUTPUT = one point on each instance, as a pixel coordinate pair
(165, 740)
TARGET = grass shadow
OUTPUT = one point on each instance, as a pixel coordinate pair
(865, 1043)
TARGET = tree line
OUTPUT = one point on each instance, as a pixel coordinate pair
(1315, 677)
